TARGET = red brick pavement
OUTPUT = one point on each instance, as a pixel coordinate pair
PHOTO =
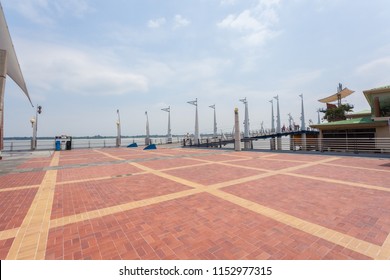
(212, 174)
(196, 227)
(348, 174)
(74, 198)
(350, 210)
(21, 179)
(14, 206)
(107, 170)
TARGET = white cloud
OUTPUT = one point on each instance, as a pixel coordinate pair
(156, 23)
(55, 68)
(374, 66)
(244, 21)
(46, 12)
(228, 2)
(255, 25)
(180, 21)
(375, 72)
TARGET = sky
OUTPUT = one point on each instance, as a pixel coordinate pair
(83, 60)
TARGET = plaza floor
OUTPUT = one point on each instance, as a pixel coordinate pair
(194, 204)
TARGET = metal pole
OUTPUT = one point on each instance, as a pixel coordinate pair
(303, 124)
(290, 122)
(246, 123)
(278, 128)
(237, 135)
(273, 118)
(35, 130)
(147, 139)
(196, 123)
(215, 121)
(3, 73)
(118, 123)
(319, 119)
(196, 135)
(169, 135)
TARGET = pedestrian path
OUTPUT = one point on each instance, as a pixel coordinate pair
(177, 203)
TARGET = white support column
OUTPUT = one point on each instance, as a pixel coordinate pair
(237, 134)
(215, 122)
(196, 134)
(147, 139)
(247, 144)
(118, 127)
(3, 73)
(169, 134)
(278, 126)
(272, 116)
(303, 124)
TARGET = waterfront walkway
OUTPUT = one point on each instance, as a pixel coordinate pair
(194, 204)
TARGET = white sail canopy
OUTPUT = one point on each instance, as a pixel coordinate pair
(337, 96)
(13, 67)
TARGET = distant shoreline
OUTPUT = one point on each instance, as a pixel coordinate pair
(90, 137)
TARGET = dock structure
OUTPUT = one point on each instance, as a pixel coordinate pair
(248, 142)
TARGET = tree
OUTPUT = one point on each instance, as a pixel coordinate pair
(337, 113)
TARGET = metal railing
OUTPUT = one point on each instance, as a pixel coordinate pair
(354, 145)
(84, 143)
(346, 145)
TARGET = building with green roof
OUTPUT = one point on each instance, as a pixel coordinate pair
(371, 126)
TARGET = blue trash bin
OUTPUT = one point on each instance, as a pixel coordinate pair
(58, 145)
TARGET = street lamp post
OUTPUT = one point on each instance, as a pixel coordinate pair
(196, 135)
(246, 124)
(272, 116)
(303, 124)
(237, 134)
(118, 126)
(169, 134)
(290, 122)
(319, 118)
(34, 123)
(278, 128)
(215, 121)
(147, 139)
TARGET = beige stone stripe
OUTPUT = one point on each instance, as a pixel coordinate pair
(385, 252)
(31, 239)
(268, 156)
(108, 155)
(169, 177)
(97, 179)
(352, 184)
(185, 166)
(9, 233)
(356, 167)
(158, 153)
(233, 154)
(330, 235)
(121, 208)
(227, 163)
(283, 171)
(19, 188)
(241, 180)
(263, 175)
(278, 159)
